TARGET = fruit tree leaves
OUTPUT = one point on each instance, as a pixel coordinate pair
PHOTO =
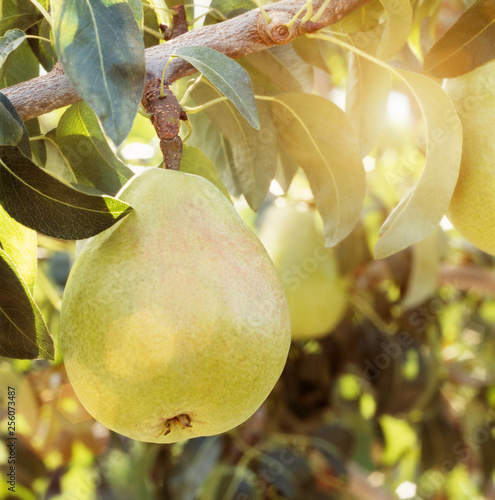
(137, 11)
(9, 42)
(229, 8)
(420, 212)
(308, 49)
(83, 144)
(469, 43)
(12, 129)
(318, 134)
(40, 201)
(19, 21)
(23, 332)
(254, 151)
(422, 282)
(216, 147)
(283, 67)
(368, 87)
(21, 65)
(194, 161)
(102, 52)
(399, 25)
(20, 243)
(228, 76)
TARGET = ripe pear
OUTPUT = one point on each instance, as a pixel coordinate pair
(174, 321)
(315, 290)
(472, 208)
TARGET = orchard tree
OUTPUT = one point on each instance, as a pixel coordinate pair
(352, 136)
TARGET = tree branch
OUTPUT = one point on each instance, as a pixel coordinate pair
(236, 37)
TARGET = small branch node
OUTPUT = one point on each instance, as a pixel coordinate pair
(281, 29)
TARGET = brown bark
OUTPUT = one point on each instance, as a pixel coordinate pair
(236, 37)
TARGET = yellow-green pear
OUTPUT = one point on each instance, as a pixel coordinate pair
(174, 321)
(315, 290)
(472, 209)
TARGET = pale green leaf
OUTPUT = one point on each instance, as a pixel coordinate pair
(83, 144)
(194, 161)
(102, 52)
(398, 27)
(9, 42)
(420, 212)
(422, 282)
(254, 152)
(228, 76)
(318, 134)
(215, 146)
(23, 332)
(20, 243)
(368, 87)
(282, 67)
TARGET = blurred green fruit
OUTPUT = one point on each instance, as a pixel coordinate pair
(472, 209)
(174, 320)
(316, 292)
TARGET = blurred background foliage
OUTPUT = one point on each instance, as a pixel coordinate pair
(397, 400)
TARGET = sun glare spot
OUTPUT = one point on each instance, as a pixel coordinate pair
(406, 490)
(398, 108)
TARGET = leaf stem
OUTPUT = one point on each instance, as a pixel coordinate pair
(357, 51)
(40, 38)
(190, 88)
(268, 19)
(202, 107)
(320, 11)
(43, 11)
(170, 57)
(153, 32)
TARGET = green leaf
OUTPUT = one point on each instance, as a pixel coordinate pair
(56, 162)
(318, 134)
(42, 202)
(283, 68)
(468, 44)
(194, 161)
(368, 87)
(102, 52)
(137, 11)
(254, 151)
(228, 76)
(286, 167)
(83, 144)
(20, 243)
(150, 20)
(229, 8)
(19, 21)
(23, 332)
(12, 129)
(308, 49)
(422, 282)
(9, 42)
(399, 25)
(20, 66)
(216, 147)
(420, 212)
